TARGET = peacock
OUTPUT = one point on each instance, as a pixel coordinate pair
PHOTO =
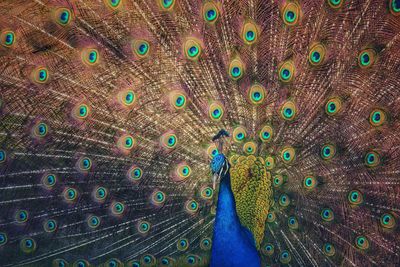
(199, 133)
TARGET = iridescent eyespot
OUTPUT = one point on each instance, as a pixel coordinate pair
(133, 263)
(266, 133)
(27, 245)
(316, 56)
(377, 117)
(355, 197)
(271, 217)
(113, 4)
(291, 13)
(215, 111)
(70, 194)
(168, 140)
(167, 261)
(81, 111)
(250, 33)
(144, 227)
(286, 71)
(84, 164)
(40, 130)
(309, 182)
(183, 171)
(49, 180)
(100, 193)
(285, 257)
(372, 159)
(327, 215)
(207, 193)
(288, 154)
(93, 221)
(333, 106)
(388, 221)
(40, 75)
(62, 16)
(284, 200)
(293, 223)
(135, 173)
(126, 143)
(268, 249)
(250, 148)
(328, 151)
(288, 111)
(394, 6)
(177, 100)
(212, 151)
(166, 5)
(236, 69)
(3, 156)
(50, 225)
(90, 56)
(362, 242)
(233, 159)
(366, 58)
(269, 163)
(60, 263)
(192, 49)
(21, 216)
(158, 197)
(278, 180)
(117, 208)
(192, 260)
(81, 263)
(113, 263)
(239, 134)
(127, 98)
(7, 38)
(328, 249)
(3, 239)
(210, 12)
(182, 244)
(141, 48)
(256, 94)
(205, 243)
(336, 4)
(192, 206)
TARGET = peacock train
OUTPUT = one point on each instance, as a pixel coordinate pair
(222, 133)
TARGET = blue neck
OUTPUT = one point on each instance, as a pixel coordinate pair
(233, 245)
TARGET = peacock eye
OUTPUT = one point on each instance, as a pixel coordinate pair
(284, 200)
(192, 206)
(327, 215)
(250, 148)
(388, 221)
(239, 134)
(336, 4)
(70, 194)
(177, 100)
(256, 94)
(394, 7)
(236, 68)
(117, 208)
(93, 221)
(333, 106)
(113, 4)
(90, 56)
(316, 55)
(250, 33)
(141, 48)
(286, 71)
(210, 12)
(166, 5)
(100, 194)
(372, 159)
(182, 244)
(269, 163)
(3, 156)
(293, 223)
(271, 217)
(291, 13)
(288, 111)
(168, 140)
(362, 242)
(49, 180)
(50, 226)
(278, 181)
(309, 182)
(205, 243)
(144, 227)
(268, 249)
(7, 38)
(366, 58)
(355, 197)
(285, 257)
(21, 216)
(158, 197)
(328, 249)
(62, 16)
(207, 193)
(3, 239)
(328, 151)
(377, 117)
(134, 173)
(215, 111)
(84, 164)
(288, 154)
(40, 75)
(27, 245)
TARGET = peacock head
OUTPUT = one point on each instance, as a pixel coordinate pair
(219, 164)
